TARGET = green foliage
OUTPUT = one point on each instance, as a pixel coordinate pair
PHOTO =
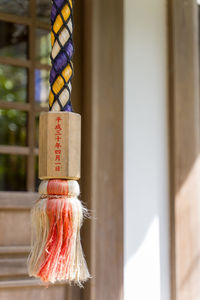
(13, 83)
(12, 128)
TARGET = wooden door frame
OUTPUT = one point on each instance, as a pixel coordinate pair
(102, 146)
(184, 112)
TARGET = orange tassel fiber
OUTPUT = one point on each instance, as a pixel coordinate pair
(57, 217)
(56, 247)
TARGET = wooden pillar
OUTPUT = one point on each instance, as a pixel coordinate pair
(185, 142)
(102, 146)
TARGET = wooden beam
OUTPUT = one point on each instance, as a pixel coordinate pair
(14, 105)
(185, 146)
(14, 250)
(17, 200)
(13, 266)
(4, 149)
(16, 62)
(16, 150)
(15, 19)
(102, 159)
(25, 283)
(23, 20)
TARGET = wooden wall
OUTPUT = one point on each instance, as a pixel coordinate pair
(184, 111)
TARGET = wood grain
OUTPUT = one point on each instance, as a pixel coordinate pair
(14, 250)
(14, 150)
(67, 156)
(102, 159)
(17, 200)
(13, 267)
(185, 146)
(15, 227)
(14, 62)
(14, 105)
(31, 290)
(15, 19)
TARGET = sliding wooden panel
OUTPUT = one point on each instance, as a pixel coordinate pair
(102, 159)
(185, 142)
(14, 249)
(15, 206)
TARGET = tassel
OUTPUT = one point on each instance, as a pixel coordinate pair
(57, 218)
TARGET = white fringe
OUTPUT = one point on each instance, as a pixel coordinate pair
(39, 234)
(77, 271)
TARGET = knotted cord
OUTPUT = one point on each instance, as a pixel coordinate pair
(61, 56)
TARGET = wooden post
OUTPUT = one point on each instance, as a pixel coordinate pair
(102, 147)
(185, 149)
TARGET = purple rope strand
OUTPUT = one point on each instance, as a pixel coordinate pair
(57, 4)
(61, 60)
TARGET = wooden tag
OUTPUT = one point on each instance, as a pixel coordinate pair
(59, 145)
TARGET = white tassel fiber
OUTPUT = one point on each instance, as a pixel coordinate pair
(57, 253)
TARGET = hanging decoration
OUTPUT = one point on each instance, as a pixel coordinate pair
(56, 252)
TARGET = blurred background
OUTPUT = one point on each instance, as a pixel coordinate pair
(136, 85)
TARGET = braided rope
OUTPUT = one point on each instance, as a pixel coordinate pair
(61, 56)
